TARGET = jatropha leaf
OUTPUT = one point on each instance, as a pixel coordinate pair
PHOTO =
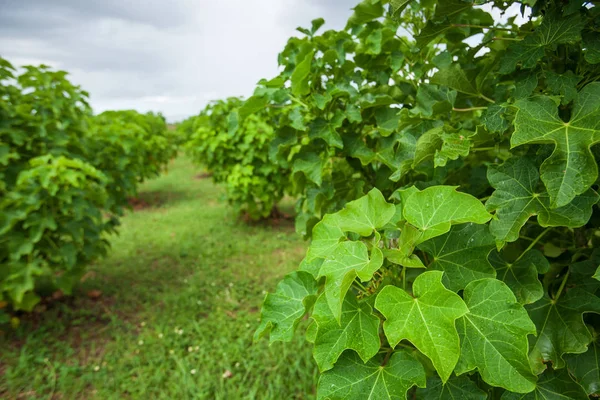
(597, 274)
(437, 208)
(585, 367)
(518, 197)
(522, 275)
(351, 379)
(365, 215)
(326, 236)
(571, 169)
(462, 254)
(427, 320)
(358, 330)
(301, 75)
(552, 385)
(560, 327)
(348, 261)
(494, 336)
(457, 387)
(282, 310)
(554, 30)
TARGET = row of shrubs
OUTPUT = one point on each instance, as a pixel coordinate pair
(65, 179)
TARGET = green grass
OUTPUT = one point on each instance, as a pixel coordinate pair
(181, 292)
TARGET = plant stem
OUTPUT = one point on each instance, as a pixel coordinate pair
(295, 100)
(469, 109)
(533, 243)
(404, 278)
(562, 286)
(495, 28)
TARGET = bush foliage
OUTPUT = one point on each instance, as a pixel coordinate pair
(445, 157)
(65, 176)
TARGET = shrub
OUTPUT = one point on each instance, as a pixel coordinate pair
(470, 267)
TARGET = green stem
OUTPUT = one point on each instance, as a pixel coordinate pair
(469, 109)
(495, 28)
(562, 286)
(533, 243)
(487, 98)
(404, 278)
(508, 39)
(483, 149)
(295, 100)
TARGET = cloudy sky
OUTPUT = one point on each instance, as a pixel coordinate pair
(165, 55)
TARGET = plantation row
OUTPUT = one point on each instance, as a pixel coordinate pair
(442, 154)
(65, 179)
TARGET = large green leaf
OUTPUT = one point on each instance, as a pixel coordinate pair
(437, 208)
(518, 197)
(300, 76)
(462, 254)
(522, 275)
(455, 78)
(282, 310)
(358, 330)
(553, 385)
(351, 379)
(572, 168)
(426, 320)
(585, 368)
(555, 29)
(348, 261)
(365, 215)
(457, 387)
(560, 327)
(494, 336)
(366, 11)
(326, 236)
(311, 165)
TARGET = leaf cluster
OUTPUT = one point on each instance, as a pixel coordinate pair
(446, 165)
(65, 176)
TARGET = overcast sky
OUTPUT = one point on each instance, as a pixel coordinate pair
(164, 55)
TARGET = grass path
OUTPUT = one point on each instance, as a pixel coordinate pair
(180, 294)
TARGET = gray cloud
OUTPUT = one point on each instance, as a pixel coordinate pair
(171, 56)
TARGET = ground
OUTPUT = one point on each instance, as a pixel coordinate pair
(170, 313)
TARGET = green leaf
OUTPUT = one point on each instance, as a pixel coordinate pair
(282, 310)
(525, 85)
(252, 105)
(564, 85)
(367, 214)
(560, 327)
(311, 165)
(571, 169)
(555, 29)
(326, 130)
(366, 11)
(326, 236)
(493, 118)
(455, 78)
(585, 368)
(427, 320)
(553, 385)
(300, 76)
(518, 197)
(348, 261)
(438, 207)
(591, 42)
(358, 330)
(398, 5)
(351, 379)
(494, 336)
(597, 274)
(521, 276)
(457, 387)
(462, 255)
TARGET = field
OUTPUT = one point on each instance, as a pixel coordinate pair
(170, 313)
